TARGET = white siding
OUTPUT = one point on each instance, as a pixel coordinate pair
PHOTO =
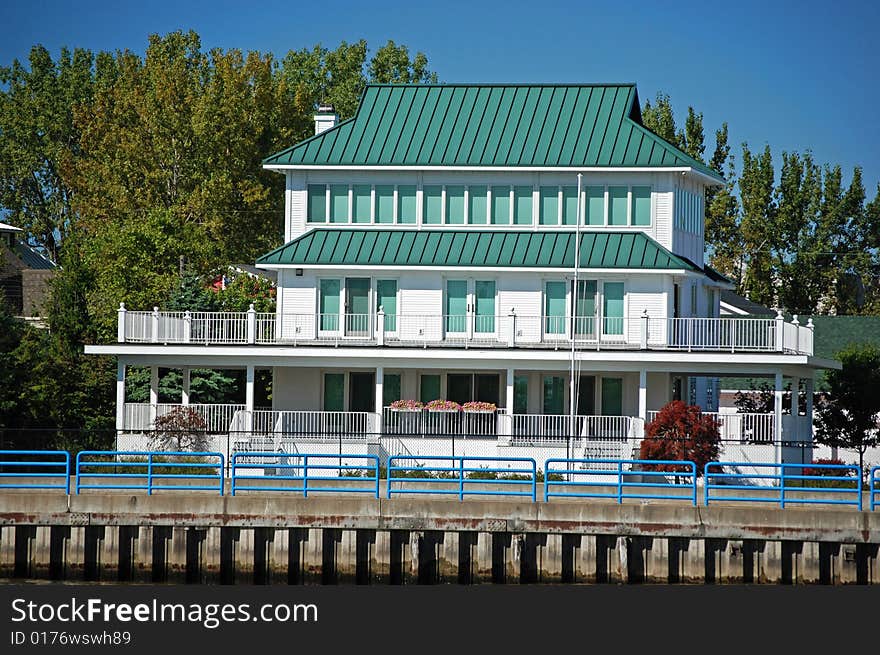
(645, 293)
(421, 296)
(524, 295)
(296, 388)
(299, 304)
(663, 218)
(296, 206)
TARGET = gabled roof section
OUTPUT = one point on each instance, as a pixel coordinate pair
(501, 125)
(473, 249)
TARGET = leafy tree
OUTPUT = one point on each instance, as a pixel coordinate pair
(758, 225)
(209, 386)
(681, 432)
(660, 119)
(181, 429)
(723, 235)
(244, 290)
(847, 417)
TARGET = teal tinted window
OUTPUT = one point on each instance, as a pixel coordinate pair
(520, 394)
(363, 203)
(455, 205)
(641, 196)
(317, 203)
(433, 205)
(522, 205)
(456, 305)
(429, 388)
(385, 204)
(334, 392)
(554, 394)
(328, 305)
(406, 204)
(554, 307)
(612, 308)
(569, 205)
(585, 308)
(595, 205)
(386, 298)
(549, 205)
(500, 205)
(612, 396)
(477, 211)
(339, 203)
(390, 388)
(617, 205)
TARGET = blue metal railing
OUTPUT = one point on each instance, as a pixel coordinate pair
(303, 468)
(142, 469)
(785, 487)
(452, 475)
(874, 482)
(592, 478)
(43, 474)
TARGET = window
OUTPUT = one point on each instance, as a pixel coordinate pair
(384, 203)
(328, 305)
(477, 202)
(641, 200)
(694, 300)
(390, 388)
(585, 308)
(317, 203)
(455, 205)
(433, 199)
(549, 205)
(334, 392)
(612, 396)
(500, 205)
(429, 388)
(386, 298)
(613, 308)
(617, 204)
(569, 205)
(554, 394)
(363, 203)
(406, 204)
(339, 203)
(554, 307)
(520, 394)
(595, 205)
(522, 205)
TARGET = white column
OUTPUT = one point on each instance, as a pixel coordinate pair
(643, 395)
(120, 394)
(508, 399)
(777, 415)
(184, 396)
(380, 397)
(808, 419)
(154, 393)
(249, 398)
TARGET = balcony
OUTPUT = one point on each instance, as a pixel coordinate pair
(466, 330)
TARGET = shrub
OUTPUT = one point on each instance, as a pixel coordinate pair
(681, 432)
(181, 429)
(407, 404)
(444, 405)
(478, 406)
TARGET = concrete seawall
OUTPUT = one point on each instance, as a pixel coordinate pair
(198, 538)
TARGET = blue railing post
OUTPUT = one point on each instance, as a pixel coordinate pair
(150, 474)
(305, 476)
(222, 469)
(460, 477)
(388, 468)
(376, 473)
(67, 472)
(782, 486)
(874, 479)
(534, 481)
(233, 461)
(694, 480)
(620, 483)
(859, 488)
(78, 477)
(706, 483)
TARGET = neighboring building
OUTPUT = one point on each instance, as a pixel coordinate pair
(431, 243)
(732, 304)
(24, 274)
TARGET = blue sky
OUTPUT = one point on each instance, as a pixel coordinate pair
(796, 75)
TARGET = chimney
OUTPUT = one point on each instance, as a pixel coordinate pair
(326, 118)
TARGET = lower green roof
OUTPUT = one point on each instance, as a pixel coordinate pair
(474, 248)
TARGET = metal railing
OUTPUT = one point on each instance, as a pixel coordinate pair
(553, 428)
(139, 470)
(592, 478)
(452, 475)
(49, 474)
(305, 424)
(281, 471)
(745, 427)
(503, 330)
(785, 488)
(142, 416)
(424, 422)
(874, 482)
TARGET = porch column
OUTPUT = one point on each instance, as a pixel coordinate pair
(380, 396)
(643, 395)
(777, 415)
(808, 419)
(184, 396)
(154, 393)
(249, 398)
(508, 404)
(120, 394)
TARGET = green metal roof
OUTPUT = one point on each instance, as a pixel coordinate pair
(564, 125)
(473, 248)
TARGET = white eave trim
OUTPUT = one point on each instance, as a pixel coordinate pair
(493, 269)
(501, 169)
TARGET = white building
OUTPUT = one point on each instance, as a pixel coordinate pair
(430, 252)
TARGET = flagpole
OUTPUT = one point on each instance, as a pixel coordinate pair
(572, 385)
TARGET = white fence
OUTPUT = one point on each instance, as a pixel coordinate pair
(745, 428)
(142, 416)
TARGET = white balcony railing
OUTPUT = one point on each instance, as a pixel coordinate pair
(428, 423)
(468, 329)
(745, 427)
(142, 416)
(304, 425)
(552, 428)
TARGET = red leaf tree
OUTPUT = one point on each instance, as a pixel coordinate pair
(681, 432)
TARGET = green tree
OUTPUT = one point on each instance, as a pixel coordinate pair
(723, 235)
(847, 417)
(758, 225)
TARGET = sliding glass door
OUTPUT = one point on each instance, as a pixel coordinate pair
(470, 308)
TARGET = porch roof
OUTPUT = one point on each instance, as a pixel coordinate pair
(474, 249)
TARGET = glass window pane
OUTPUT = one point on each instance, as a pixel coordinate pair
(585, 307)
(406, 204)
(478, 204)
(484, 318)
(595, 205)
(433, 213)
(317, 203)
(617, 205)
(612, 308)
(363, 203)
(456, 305)
(641, 205)
(328, 305)
(390, 388)
(612, 396)
(500, 205)
(429, 388)
(339, 203)
(386, 298)
(554, 308)
(520, 394)
(569, 205)
(522, 205)
(455, 205)
(554, 394)
(385, 204)
(549, 205)
(334, 392)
